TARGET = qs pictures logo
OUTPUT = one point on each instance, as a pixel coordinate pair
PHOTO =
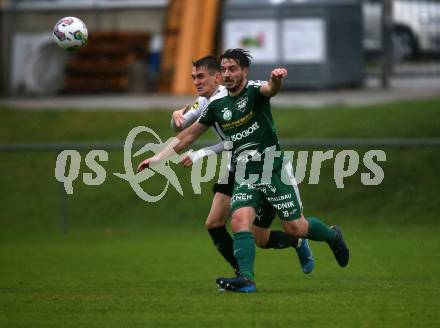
(346, 164)
(67, 177)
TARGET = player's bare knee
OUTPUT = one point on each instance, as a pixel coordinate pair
(260, 242)
(298, 227)
(242, 219)
(215, 221)
(261, 236)
(237, 224)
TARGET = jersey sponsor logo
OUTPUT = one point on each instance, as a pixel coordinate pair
(227, 114)
(246, 145)
(279, 198)
(284, 206)
(241, 104)
(293, 213)
(247, 156)
(242, 155)
(195, 105)
(264, 186)
(256, 84)
(245, 133)
(238, 122)
(241, 196)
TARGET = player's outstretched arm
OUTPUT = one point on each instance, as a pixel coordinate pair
(194, 156)
(273, 86)
(183, 140)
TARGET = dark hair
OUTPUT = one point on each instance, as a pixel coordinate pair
(209, 62)
(241, 56)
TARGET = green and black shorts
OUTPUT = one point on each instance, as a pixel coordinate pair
(266, 212)
(280, 191)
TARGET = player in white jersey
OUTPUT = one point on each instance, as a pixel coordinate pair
(206, 78)
(183, 118)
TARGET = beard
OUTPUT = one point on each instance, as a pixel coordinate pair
(235, 86)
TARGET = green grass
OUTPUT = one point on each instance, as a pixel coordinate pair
(166, 279)
(406, 119)
(127, 263)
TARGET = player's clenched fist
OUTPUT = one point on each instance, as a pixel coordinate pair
(278, 73)
(186, 161)
(178, 116)
(144, 164)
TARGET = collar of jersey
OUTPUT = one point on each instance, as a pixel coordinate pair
(242, 91)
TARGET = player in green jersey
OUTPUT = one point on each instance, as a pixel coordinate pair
(244, 114)
(206, 78)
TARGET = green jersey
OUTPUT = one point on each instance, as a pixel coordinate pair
(246, 120)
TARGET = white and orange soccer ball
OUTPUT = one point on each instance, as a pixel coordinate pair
(70, 33)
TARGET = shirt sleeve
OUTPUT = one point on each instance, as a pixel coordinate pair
(207, 151)
(207, 116)
(255, 85)
(255, 90)
(217, 148)
(192, 114)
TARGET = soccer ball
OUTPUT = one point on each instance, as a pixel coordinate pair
(70, 33)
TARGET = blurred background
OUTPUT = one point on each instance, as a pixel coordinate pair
(145, 46)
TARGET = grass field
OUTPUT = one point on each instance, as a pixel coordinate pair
(127, 263)
(166, 278)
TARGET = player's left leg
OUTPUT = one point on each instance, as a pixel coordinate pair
(274, 239)
(288, 203)
(317, 230)
(264, 237)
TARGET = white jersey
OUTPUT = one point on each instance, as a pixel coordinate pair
(193, 114)
(199, 105)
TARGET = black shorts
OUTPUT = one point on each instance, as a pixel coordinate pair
(266, 213)
(225, 188)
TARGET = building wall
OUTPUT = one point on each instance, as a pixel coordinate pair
(37, 21)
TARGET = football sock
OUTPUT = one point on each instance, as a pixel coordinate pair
(224, 243)
(280, 239)
(319, 231)
(244, 251)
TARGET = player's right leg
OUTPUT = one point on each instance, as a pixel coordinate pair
(216, 226)
(244, 250)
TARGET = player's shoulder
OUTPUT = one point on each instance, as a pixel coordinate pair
(219, 94)
(200, 103)
(215, 101)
